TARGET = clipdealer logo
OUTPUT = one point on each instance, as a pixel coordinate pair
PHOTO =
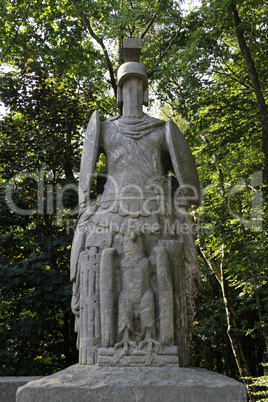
(50, 199)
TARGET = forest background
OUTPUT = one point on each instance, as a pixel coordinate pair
(208, 71)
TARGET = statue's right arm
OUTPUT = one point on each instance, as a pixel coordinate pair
(89, 157)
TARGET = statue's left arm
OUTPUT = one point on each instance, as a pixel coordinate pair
(184, 167)
(183, 163)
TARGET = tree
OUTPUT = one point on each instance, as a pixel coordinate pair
(252, 72)
(40, 147)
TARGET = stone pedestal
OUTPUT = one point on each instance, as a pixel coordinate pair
(9, 386)
(121, 384)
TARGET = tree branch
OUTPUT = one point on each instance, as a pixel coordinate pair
(10, 46)
(148, 26)
(100, 42)
(250, 65)
(165, 52)
(211, 262)
(234, 76)
(15, 38)
(89, 94)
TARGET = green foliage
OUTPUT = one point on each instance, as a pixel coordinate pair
(259, 386)
(210, 346)
(40, 150)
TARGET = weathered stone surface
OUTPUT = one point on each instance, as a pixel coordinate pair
(9, 386)
(134, 265)
(167, 356)
(120, 384)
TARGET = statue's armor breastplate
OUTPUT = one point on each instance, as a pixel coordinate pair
(134, 161)
(136, 186)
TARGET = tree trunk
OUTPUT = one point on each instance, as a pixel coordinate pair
(250, 65)
(99, 40)
(232, 330)
(264, 328)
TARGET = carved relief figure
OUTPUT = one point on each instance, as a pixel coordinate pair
(133, 264)
(136, 305)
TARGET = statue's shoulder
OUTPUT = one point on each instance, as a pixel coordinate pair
(135, 128)
(111, 120)
(153, 120)
(107, 127)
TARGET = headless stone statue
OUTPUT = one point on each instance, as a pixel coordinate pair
(133, 263)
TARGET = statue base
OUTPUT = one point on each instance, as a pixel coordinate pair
(120, 384)
(168, 355)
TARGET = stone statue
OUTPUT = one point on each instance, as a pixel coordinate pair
(134, 265)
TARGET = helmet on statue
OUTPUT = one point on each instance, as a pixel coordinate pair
(132, 68)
